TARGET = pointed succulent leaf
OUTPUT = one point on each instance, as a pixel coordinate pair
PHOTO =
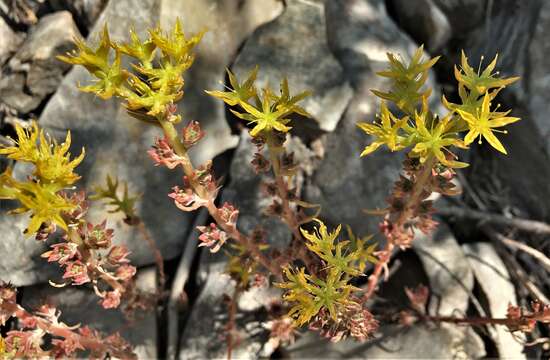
(93, 60)
(480, 82)
(238, 93)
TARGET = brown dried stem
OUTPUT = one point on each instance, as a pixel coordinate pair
(532, 226)
(158, 256)
(515, 268)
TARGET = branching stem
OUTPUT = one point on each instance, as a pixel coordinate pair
(189, 170)
(399, 222)
(288, 215)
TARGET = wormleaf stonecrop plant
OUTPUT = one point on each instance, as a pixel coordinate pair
(85, 251)
(430, 140)
(318, 272)
(47, 195)
(150, 89)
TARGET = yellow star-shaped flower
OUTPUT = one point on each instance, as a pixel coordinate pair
(385, 131)
(483, 123)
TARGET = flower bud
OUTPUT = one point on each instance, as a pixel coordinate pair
(192, 133)
(62, 253)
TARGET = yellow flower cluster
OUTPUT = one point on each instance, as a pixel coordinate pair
(266, 110)
(426, 134)
(53, 172)
(154, 85)
(343, 260)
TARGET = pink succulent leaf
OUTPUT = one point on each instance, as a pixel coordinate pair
(118, 255)
(212, 237)
(186, 199)
(162, 153)
(192, 133)
(77, 272)
(62, 253)
(125, 272)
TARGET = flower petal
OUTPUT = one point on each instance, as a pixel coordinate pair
(471, 136)
(372, 147)
(502, 121)
(492, 139)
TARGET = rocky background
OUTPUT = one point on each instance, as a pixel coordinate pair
(333, 48)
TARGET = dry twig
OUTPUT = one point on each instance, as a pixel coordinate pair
(532, 226)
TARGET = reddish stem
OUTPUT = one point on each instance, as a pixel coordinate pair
(232, 231)
(20, 313)
(400, 221)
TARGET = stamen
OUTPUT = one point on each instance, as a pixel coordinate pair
(450, 152)
(480, 62)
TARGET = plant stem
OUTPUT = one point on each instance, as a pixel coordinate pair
(231, 322)
(288, 215)
(158, 256)
(57, 330)
(402, 218)
(189, 170)
(234, 233)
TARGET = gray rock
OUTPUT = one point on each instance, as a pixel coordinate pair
(204, 336)
(361, 33)
(24, 266)
(539, 79)
(12, 94)
(344, 183)
(393, 342)
(33, 72)
(10, 41)
(228, 24)
(79, 305)
(85, 12)
(294, 45)
(464, 15)
(115, 144)
(424, 21)
(448, 270)
(494, 279)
